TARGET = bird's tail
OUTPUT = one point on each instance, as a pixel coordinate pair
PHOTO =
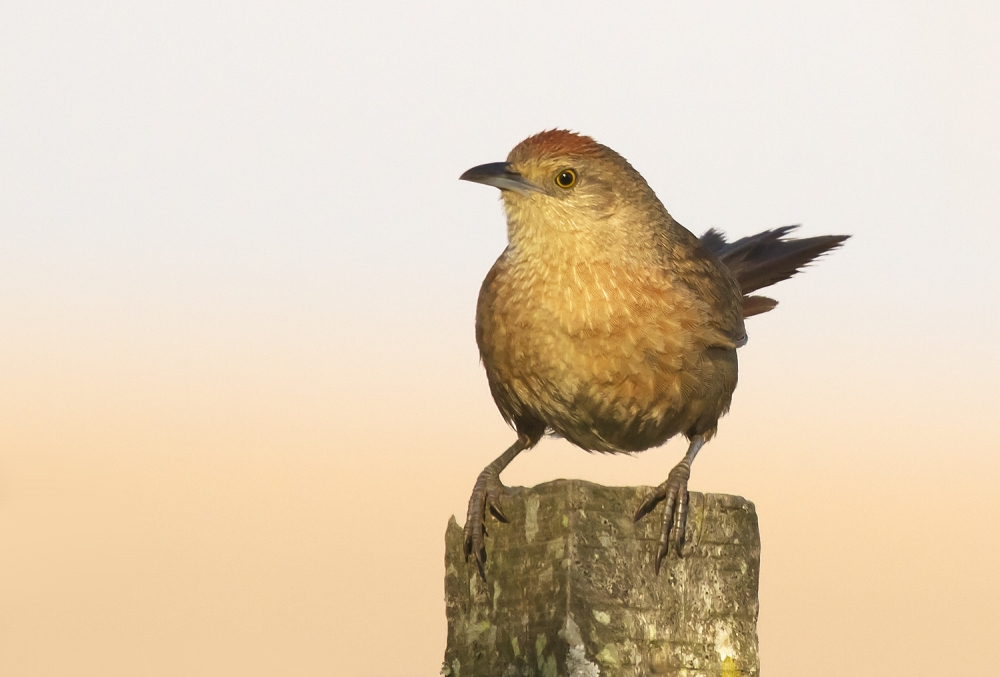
(763, 259)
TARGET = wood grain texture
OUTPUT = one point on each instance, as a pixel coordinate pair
(570, 589)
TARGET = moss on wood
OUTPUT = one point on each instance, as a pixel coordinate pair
(570, 589)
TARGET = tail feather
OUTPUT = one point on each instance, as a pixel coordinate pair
(766, 258)
(755, 305)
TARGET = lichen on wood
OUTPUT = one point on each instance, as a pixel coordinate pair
(570, 589)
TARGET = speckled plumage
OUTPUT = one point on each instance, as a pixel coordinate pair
(608, 323)
(604, 318)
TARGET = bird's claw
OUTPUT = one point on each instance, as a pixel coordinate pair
(488, 494)
(674, 494)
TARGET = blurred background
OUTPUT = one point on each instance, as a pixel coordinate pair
(239, 389)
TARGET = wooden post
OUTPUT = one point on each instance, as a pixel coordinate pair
(570, 590)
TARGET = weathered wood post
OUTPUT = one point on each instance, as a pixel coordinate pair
(570, 589)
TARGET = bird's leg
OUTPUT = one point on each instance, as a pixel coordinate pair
(674, 493)
(489, 492)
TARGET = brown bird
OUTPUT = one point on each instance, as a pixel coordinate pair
(608, 323)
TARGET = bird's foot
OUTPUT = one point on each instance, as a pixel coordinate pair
(489, 492)
(674, 494)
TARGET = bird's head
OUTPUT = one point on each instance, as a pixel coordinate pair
(558, 183)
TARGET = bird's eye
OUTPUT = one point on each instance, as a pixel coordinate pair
(566, 178)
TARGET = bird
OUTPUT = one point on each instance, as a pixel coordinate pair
(609, 324)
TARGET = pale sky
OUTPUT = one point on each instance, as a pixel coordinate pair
(239, 389)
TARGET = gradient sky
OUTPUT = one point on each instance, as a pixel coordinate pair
(239, 389)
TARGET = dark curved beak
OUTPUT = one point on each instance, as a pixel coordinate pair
(500, 175)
